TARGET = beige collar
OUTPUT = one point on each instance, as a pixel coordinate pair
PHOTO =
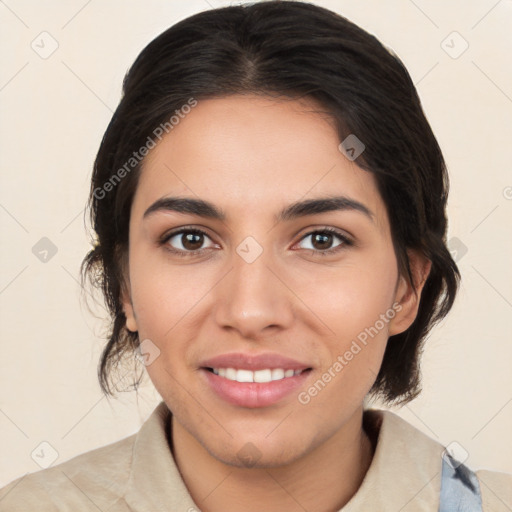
(405, 473)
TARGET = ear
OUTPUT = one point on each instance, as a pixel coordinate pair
(131, 322)
(127, 304)
(125, 287)
(407, 295)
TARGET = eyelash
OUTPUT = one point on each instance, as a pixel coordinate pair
(345, 242)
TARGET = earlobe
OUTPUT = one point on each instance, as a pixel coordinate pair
(131, 322)
(408, 294)
(126, 295)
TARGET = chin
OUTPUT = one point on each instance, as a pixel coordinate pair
(258, 453)
(250, 457)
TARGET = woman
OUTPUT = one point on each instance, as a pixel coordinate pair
(269, 204)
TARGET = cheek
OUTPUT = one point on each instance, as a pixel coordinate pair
(353, 353)
(356, 304)
(165, 297)
(169, 304)
(352, 297)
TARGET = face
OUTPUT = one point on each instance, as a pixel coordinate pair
(265, 312)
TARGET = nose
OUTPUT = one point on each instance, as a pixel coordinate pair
(253, 299)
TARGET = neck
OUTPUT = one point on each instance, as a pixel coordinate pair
(324, 479)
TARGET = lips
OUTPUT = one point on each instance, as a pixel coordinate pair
(264, 361)
(253, 380)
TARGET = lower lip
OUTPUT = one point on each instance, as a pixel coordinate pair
(254, 394)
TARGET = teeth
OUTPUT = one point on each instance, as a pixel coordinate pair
(262, 376)
(244, 376)
(277, 374)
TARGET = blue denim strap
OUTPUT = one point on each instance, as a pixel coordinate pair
(460, 489)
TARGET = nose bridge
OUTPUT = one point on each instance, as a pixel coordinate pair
(251, 298)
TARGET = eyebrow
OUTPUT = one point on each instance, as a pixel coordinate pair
(295, 210)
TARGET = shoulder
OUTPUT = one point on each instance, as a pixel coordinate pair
(496, 490)
(408, 467)
(90, 481)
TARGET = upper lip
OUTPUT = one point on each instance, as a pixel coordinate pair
(263, 361)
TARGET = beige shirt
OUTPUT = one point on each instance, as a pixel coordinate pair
(138, 474)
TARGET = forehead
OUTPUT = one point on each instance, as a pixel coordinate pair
(253, 154)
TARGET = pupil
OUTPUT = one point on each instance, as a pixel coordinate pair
(192, 241)
(324, 239)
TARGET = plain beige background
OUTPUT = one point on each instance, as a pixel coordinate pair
(54, 112)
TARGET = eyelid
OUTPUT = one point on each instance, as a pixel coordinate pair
(164, 239)
(329, 229)
(183, 229)
(346, 240)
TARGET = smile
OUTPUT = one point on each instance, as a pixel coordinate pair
(261, 376)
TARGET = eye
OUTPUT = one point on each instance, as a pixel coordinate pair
(190, 241)
(325, 241)
(187, 241)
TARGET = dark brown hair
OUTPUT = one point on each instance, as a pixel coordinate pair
(287, 49)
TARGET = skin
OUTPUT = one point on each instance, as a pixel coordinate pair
(251, 157)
